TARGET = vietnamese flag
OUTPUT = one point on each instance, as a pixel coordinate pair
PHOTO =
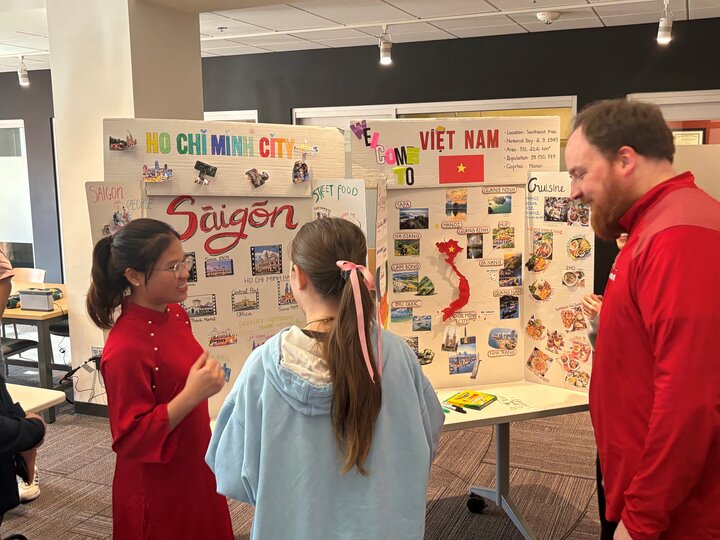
(461, 169)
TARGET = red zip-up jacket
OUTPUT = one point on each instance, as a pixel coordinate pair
(655, 390)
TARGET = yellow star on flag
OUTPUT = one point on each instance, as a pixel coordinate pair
(461, 168)
(451, 249)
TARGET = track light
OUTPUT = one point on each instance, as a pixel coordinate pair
(664, 34)
(22, 72)
(385, 45)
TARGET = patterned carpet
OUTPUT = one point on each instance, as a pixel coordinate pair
(552, 481)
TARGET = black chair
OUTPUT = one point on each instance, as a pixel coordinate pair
(61, 328)
(12, 347)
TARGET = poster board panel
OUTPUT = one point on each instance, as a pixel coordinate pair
(559, 253)
(221, 158)
(479, 344)
(445, 152)
(239, 289)
(113, 204)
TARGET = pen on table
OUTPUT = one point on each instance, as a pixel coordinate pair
(459, 409)
(446, 410)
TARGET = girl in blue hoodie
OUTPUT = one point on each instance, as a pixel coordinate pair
(331, 428)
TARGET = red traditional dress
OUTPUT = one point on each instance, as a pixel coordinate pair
(162, 486)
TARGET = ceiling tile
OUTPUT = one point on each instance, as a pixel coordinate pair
(210, 22)
(240, 49)
(476, 22)
(651, 10)
(356, 12)
(283, 17)
(5, 48)
(484, 31)
(280, 39)
(622, 20)
(423, 8)
(704, 13)
(39, 43)
(352, 42)
(564, 25)
(281, 47)
(37, 59)
(421, 36)
(402, 29)
(322, 35)
(535, 4)
(218, 44)
(574, 15)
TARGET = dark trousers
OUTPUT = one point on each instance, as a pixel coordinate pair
(607, 528)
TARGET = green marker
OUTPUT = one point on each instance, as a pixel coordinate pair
(446, 411)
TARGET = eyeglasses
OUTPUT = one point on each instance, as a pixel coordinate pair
(185, 265)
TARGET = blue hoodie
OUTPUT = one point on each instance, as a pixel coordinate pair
(274, 446)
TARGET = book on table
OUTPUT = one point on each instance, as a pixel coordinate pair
(471, 399)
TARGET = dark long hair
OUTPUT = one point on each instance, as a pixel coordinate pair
(356, 399)
(138, 245)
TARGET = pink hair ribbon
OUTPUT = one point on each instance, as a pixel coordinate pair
(350, 267)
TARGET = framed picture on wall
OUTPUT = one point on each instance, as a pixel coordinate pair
(692, 137)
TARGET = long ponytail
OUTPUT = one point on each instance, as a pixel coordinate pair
(357, 397)
(106, 289)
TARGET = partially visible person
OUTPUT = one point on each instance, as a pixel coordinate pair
(591, 306)
(592, 303)
(29, 487)
(655, 390)
(158, 379)
(20, 434)
(324, 436)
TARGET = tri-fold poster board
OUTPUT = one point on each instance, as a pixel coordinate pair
(482, 258)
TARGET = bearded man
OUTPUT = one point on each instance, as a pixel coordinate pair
(655, 389)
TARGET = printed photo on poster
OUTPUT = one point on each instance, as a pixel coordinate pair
(422, 323)
(405, 282)
(285, 294)
(578, 214)
(450, 339)
(218, 268)
(414, 218)
(474, 246)
(456, 204)
(405, 248)
(511, 272)
(543, 244)
(245, 299)
(556, 209)
(509, 307)
(538, 362)
(192, 277)
(500, 204)
(425, 287)
(579, 248)
(266, 260)
(399, 315)
(464, 360)
(503, 237)
(219, 338)
(503, 338)
(202, 305)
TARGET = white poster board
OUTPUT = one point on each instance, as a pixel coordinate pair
(558, 274)
(111, 205)
(221, 158)
(341, 198)
(426, 153)
(237, 226)
(239, 289)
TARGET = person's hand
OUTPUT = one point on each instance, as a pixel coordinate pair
(621, 533)
(206, 378)
(591, 305)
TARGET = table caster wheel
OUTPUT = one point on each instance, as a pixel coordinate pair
(476, 504)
